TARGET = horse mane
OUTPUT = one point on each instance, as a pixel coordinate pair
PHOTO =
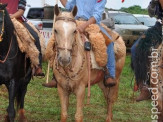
(141, 64)
(8, 25)
(7, 35)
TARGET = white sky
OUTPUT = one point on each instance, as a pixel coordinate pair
(115, 4)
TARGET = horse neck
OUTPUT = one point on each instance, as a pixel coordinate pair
(8, 36)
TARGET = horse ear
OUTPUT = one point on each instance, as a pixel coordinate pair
(3, 6)
(74, 11)
(56, 10)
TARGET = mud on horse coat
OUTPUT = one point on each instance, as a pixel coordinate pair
(15, 71)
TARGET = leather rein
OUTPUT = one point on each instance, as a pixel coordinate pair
(1, 39)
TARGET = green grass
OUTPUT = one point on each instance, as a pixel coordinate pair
(43, 104)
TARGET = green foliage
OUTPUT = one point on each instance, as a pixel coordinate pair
(134, 10)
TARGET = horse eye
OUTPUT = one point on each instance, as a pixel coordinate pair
(55, 31)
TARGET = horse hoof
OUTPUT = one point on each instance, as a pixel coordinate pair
(7, 118)
(108, 119)
(22, 119)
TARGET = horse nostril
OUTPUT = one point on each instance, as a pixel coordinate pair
(69, 59)
(60, 59)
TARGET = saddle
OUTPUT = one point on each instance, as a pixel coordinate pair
(26, 41)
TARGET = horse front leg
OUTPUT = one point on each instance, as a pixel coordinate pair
(21, 96)
(64, 100)
(80, 94)
(10, 109)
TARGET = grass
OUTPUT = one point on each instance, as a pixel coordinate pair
(43, 104)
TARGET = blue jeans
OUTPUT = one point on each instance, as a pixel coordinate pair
(133, 49)
(111, 55)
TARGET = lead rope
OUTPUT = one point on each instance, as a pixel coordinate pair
(89, 70)
(47, 76)
(89, 77)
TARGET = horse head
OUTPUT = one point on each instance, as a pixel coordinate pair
(65, 32)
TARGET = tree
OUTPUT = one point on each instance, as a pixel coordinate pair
(134, 10)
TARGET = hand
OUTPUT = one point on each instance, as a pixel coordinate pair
(81, 28)
(11, 16)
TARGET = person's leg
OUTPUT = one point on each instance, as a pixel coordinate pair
(110, 67)
(37, 43)
(51, 84)
(133, 49)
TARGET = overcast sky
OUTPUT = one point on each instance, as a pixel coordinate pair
(115, 4)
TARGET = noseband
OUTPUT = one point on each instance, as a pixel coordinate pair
(67, 19)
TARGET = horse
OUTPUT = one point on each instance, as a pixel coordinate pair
(148, 67)
(71, 70)
(15, 69)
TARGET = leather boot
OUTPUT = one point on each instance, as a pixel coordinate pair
(51, 84)
(39, 72)
(144, 94)
(109, 80)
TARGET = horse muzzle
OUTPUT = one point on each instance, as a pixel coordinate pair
(64, 61)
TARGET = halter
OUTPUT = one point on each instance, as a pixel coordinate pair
(67, 19)
(2, 30)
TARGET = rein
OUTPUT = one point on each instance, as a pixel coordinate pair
(2, 30)
(3, 61)
(66, 75)
(64, 19)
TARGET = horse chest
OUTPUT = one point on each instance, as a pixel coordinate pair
(68, 85)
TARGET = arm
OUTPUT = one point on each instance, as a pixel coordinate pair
(21, 9)
(98, 10)
(63, 2)
(82, 27)
(18, 14)
(96, 16)
(69, 5)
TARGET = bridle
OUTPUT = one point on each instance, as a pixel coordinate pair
(2, 30)
(1, 34)
(67, 19)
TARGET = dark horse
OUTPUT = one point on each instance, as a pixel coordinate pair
(15, 70)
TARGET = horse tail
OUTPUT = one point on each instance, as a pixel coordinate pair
(141, 63)
(22, 89)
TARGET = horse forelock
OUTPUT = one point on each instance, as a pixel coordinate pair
(66, 14)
